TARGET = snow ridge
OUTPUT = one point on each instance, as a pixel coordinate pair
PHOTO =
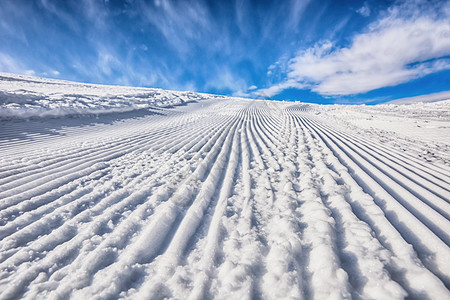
(29, 97)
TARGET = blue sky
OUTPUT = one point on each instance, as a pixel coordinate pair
(312, 51)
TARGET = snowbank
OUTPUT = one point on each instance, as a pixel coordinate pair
(27, 97)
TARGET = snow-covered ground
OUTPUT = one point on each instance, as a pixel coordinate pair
(114, 192)
(24, 97)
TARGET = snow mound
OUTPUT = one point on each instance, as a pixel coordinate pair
(28, 97)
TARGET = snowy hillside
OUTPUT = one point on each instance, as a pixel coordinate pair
(116, 192)
(25, 96)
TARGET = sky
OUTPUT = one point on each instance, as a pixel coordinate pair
(327, 51)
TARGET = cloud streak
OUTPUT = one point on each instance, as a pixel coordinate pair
(11, 65)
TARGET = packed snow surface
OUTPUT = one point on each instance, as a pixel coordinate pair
(114, 192)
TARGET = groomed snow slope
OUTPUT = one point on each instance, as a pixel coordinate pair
(222, 198)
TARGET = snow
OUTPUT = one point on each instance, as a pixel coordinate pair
(120, 192)
(25, 97)
(420, 121)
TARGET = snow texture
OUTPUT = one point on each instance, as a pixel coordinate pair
(26, 97)
(117, 192)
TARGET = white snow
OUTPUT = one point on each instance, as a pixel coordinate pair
(119, 192)
(24, 97)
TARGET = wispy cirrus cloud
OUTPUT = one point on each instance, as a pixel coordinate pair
(183, 24)
(10, 64)
(364, 10)
(409, 41)
(278, 88)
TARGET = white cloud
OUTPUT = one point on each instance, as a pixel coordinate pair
(278, 88)
(107, 62)
(239, 91)
(30, 72)
(225, 79)
(96, 13)
(364, 10)
(423, 98)
(181, 23)
(405, 44)
(64, 16)
(297, 9)
(9, 64)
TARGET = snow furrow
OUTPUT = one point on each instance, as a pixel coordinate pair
(434, 254)
(285, 250)
(438, 171)
(416, 210)
(213, 235)
(116, 240)
(319, 234)
(410, 174)
(236, 276)
(417, 201)
(360, 253)
(163, 221)
(191, 220)
(87, 231)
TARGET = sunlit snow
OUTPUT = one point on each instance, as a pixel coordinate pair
(115, 192)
